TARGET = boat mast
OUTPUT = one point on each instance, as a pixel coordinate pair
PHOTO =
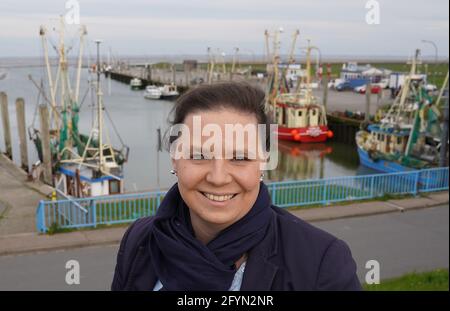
(99, 111)
(413, 132)
(42, 33)
(266, 35)
(83, 32)
(308, 73)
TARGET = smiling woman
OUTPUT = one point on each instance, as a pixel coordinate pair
(216, 228)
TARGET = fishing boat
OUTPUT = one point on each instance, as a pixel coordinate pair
(136, 84)
(299, 114)
(169, 91)
(407, 137)
(152, 92)
(83, 165)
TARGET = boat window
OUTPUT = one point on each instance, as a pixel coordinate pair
(114, 186)
(399, 140)
(299, 113)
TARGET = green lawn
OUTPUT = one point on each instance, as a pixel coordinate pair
(436, 280)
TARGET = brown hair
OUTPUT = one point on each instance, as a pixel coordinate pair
(239, 96)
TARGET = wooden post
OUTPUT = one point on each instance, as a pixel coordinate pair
(173, 74)
(149, 73)
(46, 152)
(325, 91)
(6, 124)
(20, 113)
(368, 94)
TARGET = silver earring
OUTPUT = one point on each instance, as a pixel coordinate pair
(262, 177)
(173, 172)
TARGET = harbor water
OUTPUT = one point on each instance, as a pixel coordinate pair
(137, 120)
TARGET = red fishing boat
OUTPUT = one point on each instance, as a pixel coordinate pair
(298, 113)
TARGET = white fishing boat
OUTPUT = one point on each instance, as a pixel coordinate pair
(83, 165)
(169, 91)
(152, 92)
(136, 84)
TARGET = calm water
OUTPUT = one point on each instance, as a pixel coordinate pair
(137, 120)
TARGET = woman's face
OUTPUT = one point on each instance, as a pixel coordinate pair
(219, 190)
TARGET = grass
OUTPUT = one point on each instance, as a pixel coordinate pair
(436, 280)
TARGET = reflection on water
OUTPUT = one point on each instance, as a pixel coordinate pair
(138, 119)
(298, 161)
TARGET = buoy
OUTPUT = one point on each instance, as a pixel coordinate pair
(297, 137)
(53, 195)
(330, 134)
(294, 132)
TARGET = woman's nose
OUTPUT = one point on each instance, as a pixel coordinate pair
(218, 173)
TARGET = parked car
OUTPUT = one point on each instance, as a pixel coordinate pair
(350, 84)
(344, 86)
(375, 89)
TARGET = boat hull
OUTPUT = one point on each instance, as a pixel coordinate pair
(385, 166)
(169, 97)
(152, 96)
(316, 134)
(380, 165)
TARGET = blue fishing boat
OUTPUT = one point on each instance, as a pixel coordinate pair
(407, 138)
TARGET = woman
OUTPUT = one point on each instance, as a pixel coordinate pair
(216, 228)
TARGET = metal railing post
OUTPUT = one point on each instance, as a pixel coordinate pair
(324, 199)
(94, 210)
(416, 182)
(372, 186)
(40, 217)
(274, 194)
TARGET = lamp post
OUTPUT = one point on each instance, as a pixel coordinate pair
(435, 49)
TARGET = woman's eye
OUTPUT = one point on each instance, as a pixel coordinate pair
(198, 156)
(240, 159)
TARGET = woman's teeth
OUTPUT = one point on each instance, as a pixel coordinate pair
(219, 198)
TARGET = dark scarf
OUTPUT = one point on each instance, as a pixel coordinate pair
(182, 262)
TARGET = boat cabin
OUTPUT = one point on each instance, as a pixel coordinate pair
(389, 141)
(297, 116)
(83, 182)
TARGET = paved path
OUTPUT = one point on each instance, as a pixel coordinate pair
(18, 199)
(32, 242)
(401, 242)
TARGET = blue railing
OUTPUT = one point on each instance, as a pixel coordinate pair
(125, 208)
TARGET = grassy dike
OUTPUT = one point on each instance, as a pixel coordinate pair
(436, 280)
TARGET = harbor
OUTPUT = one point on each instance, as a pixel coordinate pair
(361, 124)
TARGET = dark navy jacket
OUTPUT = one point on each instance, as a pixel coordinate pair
(294, 255)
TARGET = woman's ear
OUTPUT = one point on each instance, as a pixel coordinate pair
(174, 164)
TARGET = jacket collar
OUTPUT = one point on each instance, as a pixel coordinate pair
(259, 270)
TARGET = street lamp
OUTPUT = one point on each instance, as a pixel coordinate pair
(435, 49)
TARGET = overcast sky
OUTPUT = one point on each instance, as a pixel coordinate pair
(146, 27)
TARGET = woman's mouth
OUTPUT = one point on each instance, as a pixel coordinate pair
(218, 198)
